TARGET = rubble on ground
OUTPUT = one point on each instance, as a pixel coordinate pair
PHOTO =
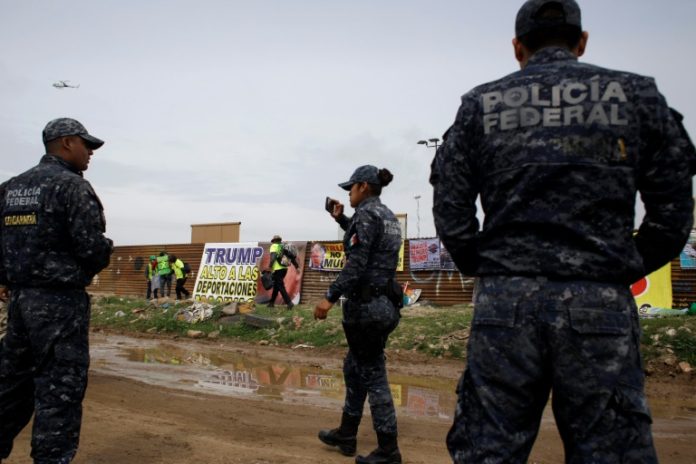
(197, 312)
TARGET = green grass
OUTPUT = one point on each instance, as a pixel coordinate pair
(657, 339)
(433, 331)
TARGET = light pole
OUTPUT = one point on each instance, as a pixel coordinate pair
(417, 198)
(430, 143)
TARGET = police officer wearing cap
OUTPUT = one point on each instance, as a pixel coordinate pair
(371, 312)
(52, 244)
(557, 152)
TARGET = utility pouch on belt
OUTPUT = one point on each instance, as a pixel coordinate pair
(392, 290)
(395, 293)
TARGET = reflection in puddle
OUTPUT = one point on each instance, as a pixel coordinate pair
(228, 373)
(238, 382)
(184, 366)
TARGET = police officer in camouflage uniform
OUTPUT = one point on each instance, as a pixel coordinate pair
(52, 244)
(557, 152)
(371, 312)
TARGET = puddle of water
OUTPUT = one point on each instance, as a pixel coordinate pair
(186, 367)
(203, 369)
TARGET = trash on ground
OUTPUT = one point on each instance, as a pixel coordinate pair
(197, 312)
(302, 345)
(652, 311)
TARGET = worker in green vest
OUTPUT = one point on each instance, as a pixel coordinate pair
(150, 272)
(177, 266)
(165, 274)
(279, 271)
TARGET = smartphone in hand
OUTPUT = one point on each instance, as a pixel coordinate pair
(329, 204)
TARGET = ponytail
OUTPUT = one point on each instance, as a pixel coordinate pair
(385, 178)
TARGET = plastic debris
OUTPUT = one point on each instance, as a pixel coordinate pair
(650, 311)
(197, 312)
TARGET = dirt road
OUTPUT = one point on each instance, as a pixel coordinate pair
(129, 421)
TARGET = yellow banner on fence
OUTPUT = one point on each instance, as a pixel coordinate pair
(331, 257)
(654, 290)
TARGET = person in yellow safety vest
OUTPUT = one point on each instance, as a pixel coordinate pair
(177, 266)
(279, 272)
(165, 274)
(151, 271)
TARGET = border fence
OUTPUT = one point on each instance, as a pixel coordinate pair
(125, 276)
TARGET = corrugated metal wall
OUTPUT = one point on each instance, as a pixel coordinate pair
(683, 285)
(126, 273)
(125, 276)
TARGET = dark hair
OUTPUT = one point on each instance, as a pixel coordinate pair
(385, 178)
(172, 258)
(52, 145)
(563, 35)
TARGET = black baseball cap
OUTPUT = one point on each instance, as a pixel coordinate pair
(63, 127)
(529, 18)
(366, 173)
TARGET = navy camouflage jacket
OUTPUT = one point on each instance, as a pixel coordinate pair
(52, 230)
(371, 243)
(557, 152)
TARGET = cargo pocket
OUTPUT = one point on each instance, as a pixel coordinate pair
(632, 403)
(592, 321)
(629, 432)
(600, 344)
(489, 312)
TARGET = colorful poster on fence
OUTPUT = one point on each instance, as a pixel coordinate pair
(687, 258)
(330, 257)
(228, 272)
(654, 290)
(424, 254)
(326, 256)
(292, 280)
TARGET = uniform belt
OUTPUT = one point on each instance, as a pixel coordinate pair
(368, 292)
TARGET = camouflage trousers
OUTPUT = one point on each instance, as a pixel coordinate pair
(44, 359)
(367, 327)
(532, 336)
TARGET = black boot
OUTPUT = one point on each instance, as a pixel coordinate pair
(386, 453)
(344, 437)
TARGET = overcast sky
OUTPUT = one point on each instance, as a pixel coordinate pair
(253, 111)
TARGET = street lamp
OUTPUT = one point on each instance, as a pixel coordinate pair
(430, 143)
(417, 198)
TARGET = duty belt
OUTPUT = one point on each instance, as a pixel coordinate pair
(365, 293)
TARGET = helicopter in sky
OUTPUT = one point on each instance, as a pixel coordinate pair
(65, 85)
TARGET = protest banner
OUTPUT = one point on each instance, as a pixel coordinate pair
(228, 272)
(292, 280)
(654, 290)
(424, 254)
(330, 257)
(400, 262)
(687, 257)
(325, 256)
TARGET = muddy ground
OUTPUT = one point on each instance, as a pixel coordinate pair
(128, 421)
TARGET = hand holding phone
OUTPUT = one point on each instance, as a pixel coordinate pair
(329, 205)
(334, 207)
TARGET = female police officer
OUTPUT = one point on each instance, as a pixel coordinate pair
(371, 243)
